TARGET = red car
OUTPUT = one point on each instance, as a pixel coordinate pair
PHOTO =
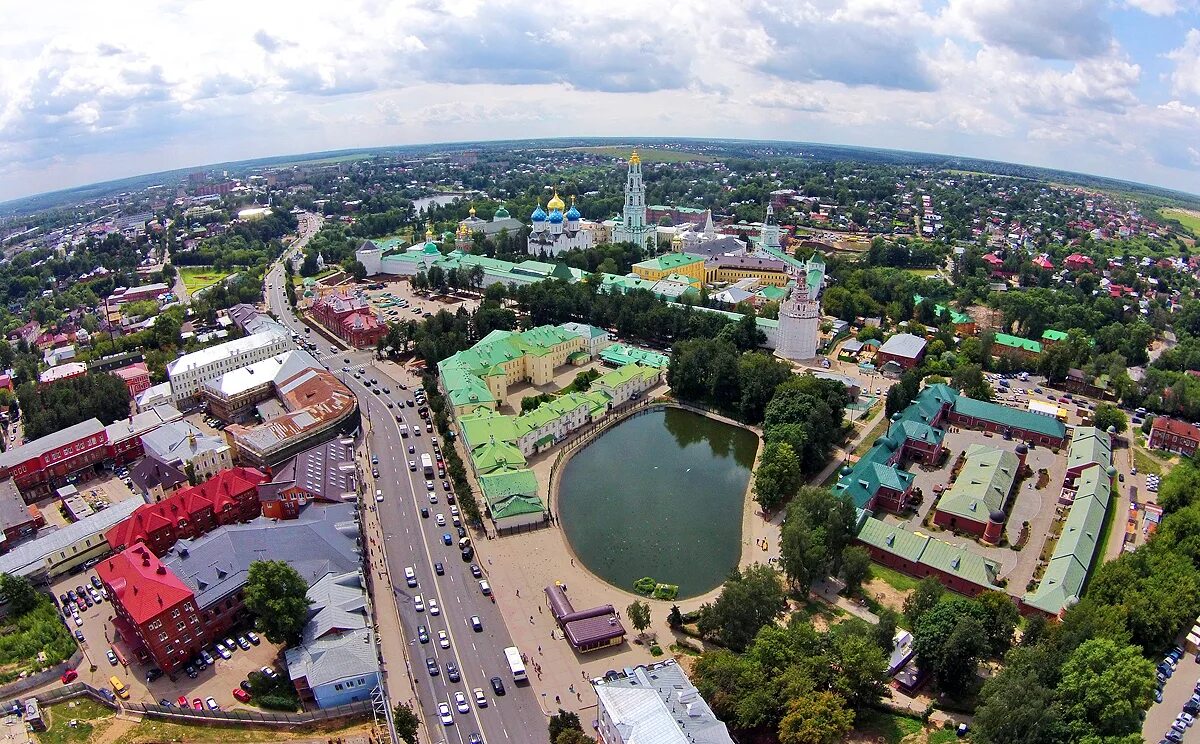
(182, 701)
(69, 676)
(197, 703)
(241, 695)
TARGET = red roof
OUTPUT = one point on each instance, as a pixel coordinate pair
(1042, 262)
(1176, 427)
(993, 259)
(133, 371)
(142, 584)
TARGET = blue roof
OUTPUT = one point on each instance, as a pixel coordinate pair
(556, 217)
(572, 213)
(539, 215)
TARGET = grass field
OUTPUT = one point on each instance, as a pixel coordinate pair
(196, 279)
(92, 718)
(149, 730)
(1189, 218)
(924, 273)
(869, 440)
(893, 578)
(876, 725)
(1145, 463)
(653, 155)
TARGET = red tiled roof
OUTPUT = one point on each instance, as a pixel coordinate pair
(132, 372)
(1176, 427)
(141, 583)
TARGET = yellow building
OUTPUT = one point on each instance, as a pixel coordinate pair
(480, 376)
(660, 267)
(730, 269)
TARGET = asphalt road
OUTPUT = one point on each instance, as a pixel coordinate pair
(411, 541)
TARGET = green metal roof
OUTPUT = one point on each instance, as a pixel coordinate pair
(625, 374)
(1052, 335)
(493, 456)
(892, 539)
(1089, 445)
(1010, 417)
(921, 548)
(487, 425)
(669, 262)
(622, 354)
(982, 485)
(511, 493)
(1016, 342)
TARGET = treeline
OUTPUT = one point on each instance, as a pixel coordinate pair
(245, 244)
(49, 408)
(906, 253)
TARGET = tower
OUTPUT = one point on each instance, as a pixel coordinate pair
(770, 230)
(633, 227)
(799, 317)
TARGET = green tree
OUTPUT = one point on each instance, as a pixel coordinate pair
(816, 718)
(969, 379)
(639, 615)
(1106, 415)
(573, 736)
(19, 593)
(925, 597)
(1015, 707)
(856, 568)
(1104, 689)
(1179, 486)
(277, 597)
(1001, 619)
(885, 629)
(949, 641)
(749, 600)
(406, 722)
(777, 476)
(564, 720)
(583, 381)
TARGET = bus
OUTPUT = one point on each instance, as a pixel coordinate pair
(515, 664)
(427, 465)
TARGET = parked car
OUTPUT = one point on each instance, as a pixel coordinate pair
(197, 703)
(69, 676)
(268, 672)
(242, 643)
(182, 701)
(112, 657)
(241, 695)
(211, 702)
(152, 674)
(253, 637)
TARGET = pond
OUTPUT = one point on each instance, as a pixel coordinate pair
(659, 495)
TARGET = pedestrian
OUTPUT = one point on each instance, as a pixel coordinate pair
(519, 594)
(557, 699)
(539, 609)
(571, 688)
(531, 619)
(578, 696)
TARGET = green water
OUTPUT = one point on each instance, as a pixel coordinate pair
(659, 495)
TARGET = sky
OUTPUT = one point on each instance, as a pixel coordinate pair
(95, 91)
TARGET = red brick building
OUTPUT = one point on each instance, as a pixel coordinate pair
(349, 318)
(1173, 435)
(154, 612)
(45, 464)
(136, 377)
(230, 496)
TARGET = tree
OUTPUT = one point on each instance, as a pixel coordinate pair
(675, 617)
(572, 736)
(927, 594)
(816, 718)
(564, 720)
(777, 476)
(1001, 620)
(639, 615)
(969, 379)
(19, 593)
(749, 600)
(1105, 687)
(1106, 415)
(357, 270)
(277, 596)
(406, 722)
(818, 526)
(1015, 707)
(949, 641)
(856, 567)
(584, 379)
(885, 629)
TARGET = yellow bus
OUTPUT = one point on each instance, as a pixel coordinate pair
(119, 687)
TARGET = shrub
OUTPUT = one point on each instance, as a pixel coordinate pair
(656, 650)
(645, 585)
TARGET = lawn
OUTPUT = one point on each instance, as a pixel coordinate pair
(1189, 218)
(38, 631)
(893, 578)
(869, 440)
(1145, 463)
(923, 273)
(198, 278)
(877, 725)
(651, 155)
(152, 730)
(92, 718)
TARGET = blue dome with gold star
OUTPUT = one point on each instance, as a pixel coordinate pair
(538, 214)
(572, 213)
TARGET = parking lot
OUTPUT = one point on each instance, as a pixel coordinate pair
(396, 300)
(1178, 689)
(218, 681)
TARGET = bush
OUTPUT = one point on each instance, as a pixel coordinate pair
(666, 591)
(645, 585)
(656, 650)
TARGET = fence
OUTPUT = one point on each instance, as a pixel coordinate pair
(257, 717)
(41, 678)
(74, 690)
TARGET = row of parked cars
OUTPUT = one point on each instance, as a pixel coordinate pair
(224, 649)
(1187, 717)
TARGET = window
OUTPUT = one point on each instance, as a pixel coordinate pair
(180, 626)
(162, 637)
(174, 613)
(338, 686)
(155, 625)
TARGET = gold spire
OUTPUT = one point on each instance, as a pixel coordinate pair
(472, 211)
(572, 200)
(555, 203)
(429, 231)
(634, 159)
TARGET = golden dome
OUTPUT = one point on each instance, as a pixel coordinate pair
(472, 211)
(634, 159)
(464, 231)
(429, 231)
(555, 203)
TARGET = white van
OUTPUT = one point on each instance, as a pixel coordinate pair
(410, 576)
(418, 603)
(485, 587)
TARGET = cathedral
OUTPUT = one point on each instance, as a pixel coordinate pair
(554, 231)
(633, 228)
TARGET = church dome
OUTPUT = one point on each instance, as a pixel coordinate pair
(572, 213)
(538, 214)
(501, 213)
(556, 203)
(472, 211)
(556, 217)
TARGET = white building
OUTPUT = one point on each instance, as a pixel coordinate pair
(655, 704)
(190, 371)
(554, 232)
(179, 443)
(632, 227)
(595, 338)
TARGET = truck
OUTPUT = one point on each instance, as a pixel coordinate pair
(404, 431)
(427, 465)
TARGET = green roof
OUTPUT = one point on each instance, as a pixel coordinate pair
(460, 372)
(487, 425)
(511, 493)
(921, 548)
(892, 539)
(1052, 335)
(669, 262)
(493, 456)
(982, 485)
(622, 354)
(1089, 445)
(1009, 417)
(626, 373)
(771, 293)
(1016, 342)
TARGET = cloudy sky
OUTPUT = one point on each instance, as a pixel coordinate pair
(92, 91)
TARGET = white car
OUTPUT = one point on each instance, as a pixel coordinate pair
(480, 698)
(441, 520)
(433, 607)
(418, 603)
(78, 621)
(454, 511)
(443, 639)
(444, 714)
(460, 702)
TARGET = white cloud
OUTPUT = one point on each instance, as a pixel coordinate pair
(1185, 79)
(1048, 29)
(1159, 7)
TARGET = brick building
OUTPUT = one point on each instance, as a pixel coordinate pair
(136, 377)
(904, 349)
(1173, 435)
(47, 463)
(349, 318)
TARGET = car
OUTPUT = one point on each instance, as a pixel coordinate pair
(253, 637)
(412, 465)
(445, 485)
(207, 657)
(108, 695)
(456, 521)
(374, 472)
(164, 702)
(112, 657)
(433, 607)
(333, 349)
(447, 539)
(422, 634)
(79, 635)
(197, 703)
(462, 532)
(454, 510)
(69, 676)
(245, 685)
(410, 576)
(241, 695)
(440, 520)
(379, 495)
(96, 582)
(418, 603)
(1173, 736)
(476, 624)
(374, 459)
(444, 714)
(443, 639)
(242, 643)
(425, 512)
(460, 702)
(182, 701)
(468, 552)
(480, 698)
(429, 485)
(476, 571)
(432, 666)
(1187, 718)
(223, 652)
(439, 569)
(78, 620)
(1158, 695)
(211, 702)
(268, 672)
(191, 671)
(497, 685)
(475, 738)
(152, 674)
(433, 498)
(96, 596)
